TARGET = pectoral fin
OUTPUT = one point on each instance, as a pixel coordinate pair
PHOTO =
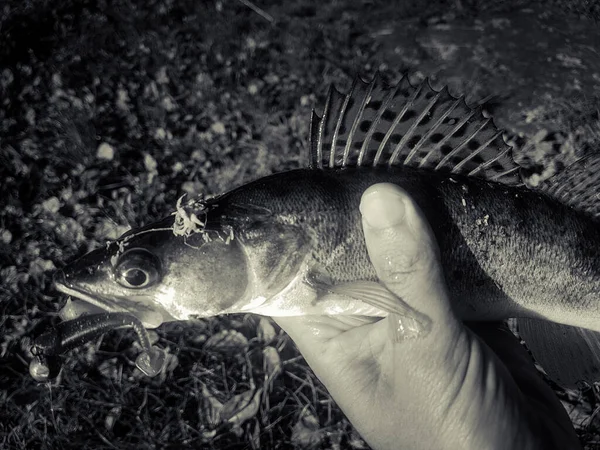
(569, 355)
(407, 321)
(374, 294)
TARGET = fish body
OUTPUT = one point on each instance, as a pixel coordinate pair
(498, 245)
(278, 245)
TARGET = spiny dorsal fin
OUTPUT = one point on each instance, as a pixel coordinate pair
(577, 185)
(374, 125)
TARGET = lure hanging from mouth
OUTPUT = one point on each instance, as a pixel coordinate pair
(74, 333)
(278, 245)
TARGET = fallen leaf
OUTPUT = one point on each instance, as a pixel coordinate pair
(266, 331)
(272, 362)
(211, 408)
(306, 432)
(227, 342)
(241, 407)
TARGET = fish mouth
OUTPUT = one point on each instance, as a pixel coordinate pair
(150, 315)
(81, 295)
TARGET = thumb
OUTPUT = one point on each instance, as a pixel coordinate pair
(403, 250)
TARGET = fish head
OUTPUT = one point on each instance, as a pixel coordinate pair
(159, 276)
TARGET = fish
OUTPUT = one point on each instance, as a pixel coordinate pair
(277, 246)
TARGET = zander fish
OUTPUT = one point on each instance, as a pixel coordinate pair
(278, 245)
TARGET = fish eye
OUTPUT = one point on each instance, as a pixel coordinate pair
(137, 268)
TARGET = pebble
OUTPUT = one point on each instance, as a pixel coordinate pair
(51, 205)
(150, 163)
(5, 236)
(218, 128)
(105, 151)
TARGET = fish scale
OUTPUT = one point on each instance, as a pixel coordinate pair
(276, 245)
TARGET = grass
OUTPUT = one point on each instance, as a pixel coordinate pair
(181, 96)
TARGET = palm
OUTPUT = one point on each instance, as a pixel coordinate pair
(360, 366)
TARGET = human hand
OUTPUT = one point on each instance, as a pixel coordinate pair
(450, 387)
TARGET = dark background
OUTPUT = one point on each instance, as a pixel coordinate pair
(111, 110)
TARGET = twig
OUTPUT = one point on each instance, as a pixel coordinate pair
(257, 10)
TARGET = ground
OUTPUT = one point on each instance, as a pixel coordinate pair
(109, 111)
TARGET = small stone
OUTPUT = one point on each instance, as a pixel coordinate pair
(250, 43)
(105, 151)
(192, 187)
(39, 266)
(6, 78)
(160, 133)
(51, 205)
(150, 163)
(107, 229)
(57, 80)
(66, 194)
(272, 79)
(32, 249)
(69, 231)
(168, 104)
(178, 167)
(161, 76)
(30, 116)
(218, 128)
(198, 155)
(109, 368)
(5, 236)
(122, 99)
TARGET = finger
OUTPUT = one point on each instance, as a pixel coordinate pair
(402, 248)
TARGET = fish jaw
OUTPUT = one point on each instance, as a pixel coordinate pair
(91, 280)
(88, 301)
(73, 308)
(91, 302)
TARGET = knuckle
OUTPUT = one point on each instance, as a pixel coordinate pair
(397, 265)
(404, 267)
